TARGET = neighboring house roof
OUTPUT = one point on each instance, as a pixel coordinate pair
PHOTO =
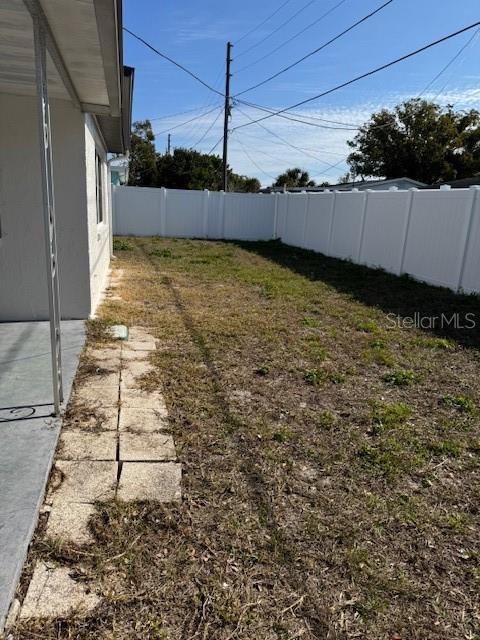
(404, 183)
(462, 183)
(84, 40)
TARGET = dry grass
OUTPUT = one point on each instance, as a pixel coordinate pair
(330, 461)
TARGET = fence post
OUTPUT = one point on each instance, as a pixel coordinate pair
(468, 232)
(407, 229)
(304, 230)
(206, 202)
(332, 219)
(163, 212)
(362, 230)
(275, 215)
(222, 221)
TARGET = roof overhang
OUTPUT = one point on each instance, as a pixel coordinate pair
(85, 56)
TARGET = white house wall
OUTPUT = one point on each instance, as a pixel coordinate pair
(23, 283)
(99, 235)
(83, 246)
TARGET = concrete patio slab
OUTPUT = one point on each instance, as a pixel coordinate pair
(53, 593)
(68, 522)
(146, 447)
(79, 445)
(159, 481)
(84, 481)
(28, 434)
(99, 419)
(142, 420)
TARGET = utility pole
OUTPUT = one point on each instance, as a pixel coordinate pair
(169, 143)
(227, 116)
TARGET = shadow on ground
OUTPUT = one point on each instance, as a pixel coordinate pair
(444, 313)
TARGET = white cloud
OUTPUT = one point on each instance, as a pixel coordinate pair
(269, 156)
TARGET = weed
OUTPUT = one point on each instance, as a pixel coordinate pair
(443, 344)
(464, 404)
(446, 448)
(367, 326)
(326, 419)
(315, 376)
(401, 377)
(161, 253)
(388, 416)
(119, 244)
(283, 435)
(310, 322)
(263, 370)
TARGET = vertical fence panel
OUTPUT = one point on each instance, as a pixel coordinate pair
(249, 218)
(385, 220)
(470, 276)
(295, 219)
(436, 237)
(319, 216)
(347, 224)
(184, 214)
(281, 214)
(137, 211)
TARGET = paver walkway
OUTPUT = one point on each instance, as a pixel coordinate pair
(116, 445)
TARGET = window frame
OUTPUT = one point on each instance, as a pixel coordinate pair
(99, 188)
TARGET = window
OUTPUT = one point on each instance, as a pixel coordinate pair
(99, 187)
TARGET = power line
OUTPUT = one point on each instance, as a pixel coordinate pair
(365, 75)
(257, 44)
(177, 64)
(281, 144)
(449, 64)
(299, 33)
(320, 48)
(276, 135)
(215, 146)
(208, 130)
(293, 119)
(249, 33)
(182, 124)
(180, 113)
(253, 161)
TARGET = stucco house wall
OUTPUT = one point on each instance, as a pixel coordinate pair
(83, 246)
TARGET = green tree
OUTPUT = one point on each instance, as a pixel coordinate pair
(142, 164)
(294, 178)
(418, 139)
(189, 169)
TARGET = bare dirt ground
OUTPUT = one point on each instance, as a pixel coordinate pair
(331, 458)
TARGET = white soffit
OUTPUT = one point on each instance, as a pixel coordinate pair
(73, 24)
(74, 27)
(17, 60)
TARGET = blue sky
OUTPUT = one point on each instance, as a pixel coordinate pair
(195, 34)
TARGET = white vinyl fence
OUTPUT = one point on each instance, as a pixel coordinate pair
(432, 235)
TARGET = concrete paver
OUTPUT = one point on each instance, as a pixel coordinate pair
(97, 395)
(53, 593)
(146, 446)
(68, 522)
(142, 420)
(150, 481)
(79, 445)
(85, 481)
(104, 419)
(138, 399)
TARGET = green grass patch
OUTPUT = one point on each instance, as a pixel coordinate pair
(401, 377)
(119, 244)
(461, 403)
(389, 415)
